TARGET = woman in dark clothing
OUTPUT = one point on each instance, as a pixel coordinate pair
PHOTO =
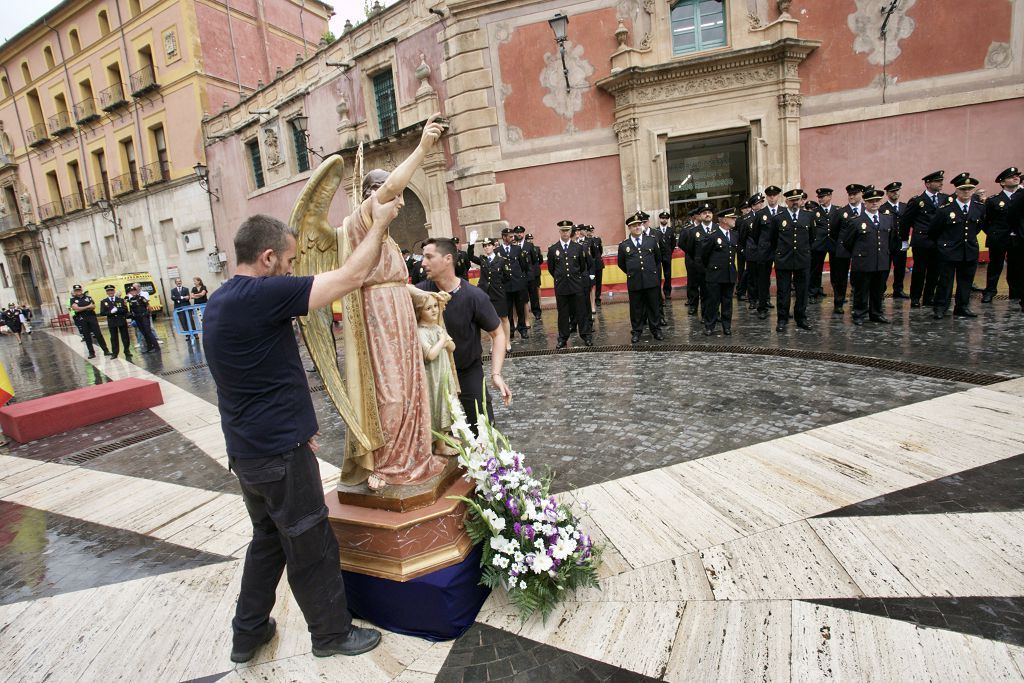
(199, 293)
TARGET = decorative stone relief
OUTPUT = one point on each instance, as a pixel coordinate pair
(999, 56)
(503, 90)
(789, 104)
(514, 134)
(627, 130)
(272, 148)
(171, 46)
(783, 6)
(342, 110)
(422, 74)
(502, 32)
(866, 25)
(566, 104)
(26, 206)
(641, 15)
(753, 21)
(676, 89)
(621, 34)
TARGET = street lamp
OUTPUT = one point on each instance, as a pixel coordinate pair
(301, 123)
(559, 24)
(203, 174)
(107, 208)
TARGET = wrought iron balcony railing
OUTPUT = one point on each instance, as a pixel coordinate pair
(96, 192)
(156, 172)
(85, 112)
(113, 97)
(60, 123)
(36, 135)
(72, 203)
(123, 184)
(50, 211)
(143, 81)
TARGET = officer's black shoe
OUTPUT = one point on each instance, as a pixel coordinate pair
(986, 298)
(560, 344)
(938, 315)
(635, 339)
(813, 299)
(656, 333)
(915, 304)
(536, 316)
(781, 327)
(358, 641)
(899, 295)
(127, 355)
(240, 656)
(965, 313)
(596, 303)
(803, 325)
(762, 315)
(752, 306)
(588, 341)
(880, 319)
(771, 305)
(92, 355)
(708, 332)
(693, 311)
(727, 331)
(523, 334)
(839, 310)
(858, 321)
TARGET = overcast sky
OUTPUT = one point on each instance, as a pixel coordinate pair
(17, 15)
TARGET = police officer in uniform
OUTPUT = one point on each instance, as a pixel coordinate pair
(515, 289)
(916, 217)
(667, 243)
(870, 239)
(997, 236)
(85, 314)
(569, 264)
(740, 239)
(718, 254)
(763, 218)
(639, 258)
(138, 307)
(821, 245)
(954, 228)
(533, 287)
(116, 310)
(494, 273)
(892, 206)
(596, 266)
(839, 257)
(461, 261)
(691, 241)
(789, 235)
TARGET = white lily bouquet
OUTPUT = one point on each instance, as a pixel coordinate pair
(532, 544)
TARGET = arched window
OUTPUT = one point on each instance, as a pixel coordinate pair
(26, 75)
(697, 25)
(48, 56)
(76, 44)
(104, 23)
(134, 8)
(5, 87)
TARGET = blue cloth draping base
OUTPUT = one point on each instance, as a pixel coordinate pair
(437, 606)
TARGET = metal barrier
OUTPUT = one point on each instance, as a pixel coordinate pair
(188, 320)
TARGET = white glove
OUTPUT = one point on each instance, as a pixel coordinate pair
(473, 234)
(592, 277)
(906, 245)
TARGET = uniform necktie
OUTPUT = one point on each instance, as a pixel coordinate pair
(793, 214)
(637, 243)
(935, 199)
(875, 220)
(855, 211)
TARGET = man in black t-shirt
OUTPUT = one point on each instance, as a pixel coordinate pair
(269, 428)
(467, 313)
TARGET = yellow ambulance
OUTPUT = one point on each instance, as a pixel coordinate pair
(94, 288)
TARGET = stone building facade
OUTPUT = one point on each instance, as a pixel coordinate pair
(652, 104)
(101, 104)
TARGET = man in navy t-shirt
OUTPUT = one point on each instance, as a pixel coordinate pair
(269, 427)
(469, 311)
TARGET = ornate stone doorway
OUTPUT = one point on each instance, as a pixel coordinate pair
(29, 287)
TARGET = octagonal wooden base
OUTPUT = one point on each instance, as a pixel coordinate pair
(402, 544)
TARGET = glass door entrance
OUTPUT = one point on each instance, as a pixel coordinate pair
(713, 169)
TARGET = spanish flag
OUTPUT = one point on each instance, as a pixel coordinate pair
(6, 389)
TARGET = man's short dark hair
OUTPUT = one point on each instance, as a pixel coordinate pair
(444, 245)
(259, 233)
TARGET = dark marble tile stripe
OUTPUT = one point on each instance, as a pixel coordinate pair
(44, 554)
(485, 653)
(995, 487)
(992, 617)
(212, 678)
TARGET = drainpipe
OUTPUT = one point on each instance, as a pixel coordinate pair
(234, 53)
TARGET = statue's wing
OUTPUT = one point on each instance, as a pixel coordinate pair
(317, 252)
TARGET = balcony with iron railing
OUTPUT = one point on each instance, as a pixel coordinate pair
(113, 97)
(156, 172)
(36, 135)
(60, 124)
(96, 192)
(72, 203)
(144, 81)
(85, 112)
(123, 184)
(48, 212)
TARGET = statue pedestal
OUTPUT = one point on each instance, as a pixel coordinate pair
(408, 563)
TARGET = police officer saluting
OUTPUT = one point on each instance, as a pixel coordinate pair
(789, 239)
(639, 257)
(116, 310)
(569, 264)
(85, 311)
(870, 239)
(955, 232)
(718, 254)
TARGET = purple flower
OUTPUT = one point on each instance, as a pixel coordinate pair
(530, 533)
(529, 470)
(513, 508)
(550, 552)
(517, 528)
(492, 464)
(556, 562)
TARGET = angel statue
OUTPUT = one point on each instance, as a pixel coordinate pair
(381, 391)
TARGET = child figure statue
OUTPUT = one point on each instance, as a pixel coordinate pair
(442, 382)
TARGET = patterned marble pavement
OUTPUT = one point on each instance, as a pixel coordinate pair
(879, 545)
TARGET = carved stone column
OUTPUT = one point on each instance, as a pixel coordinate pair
(789, 117)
